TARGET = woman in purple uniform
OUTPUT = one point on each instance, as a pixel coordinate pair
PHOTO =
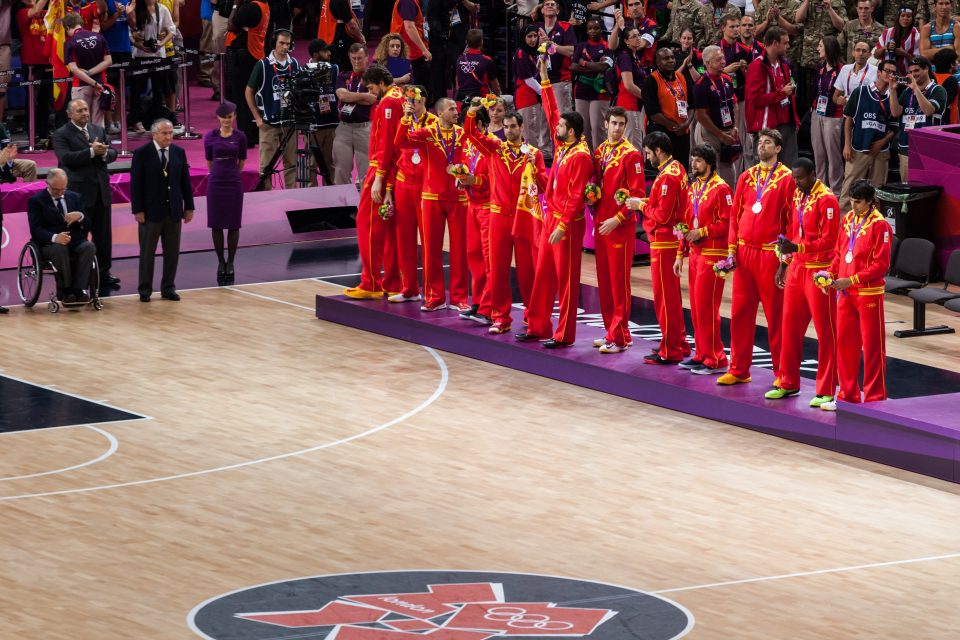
(226, 151)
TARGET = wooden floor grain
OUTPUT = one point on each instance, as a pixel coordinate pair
(246, 473)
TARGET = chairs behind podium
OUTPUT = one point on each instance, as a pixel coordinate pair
(912, 273)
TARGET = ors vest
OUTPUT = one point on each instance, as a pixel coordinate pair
(268, 96)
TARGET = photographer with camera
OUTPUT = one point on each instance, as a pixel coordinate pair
(328, 112)
(151, 28)
(264, 99)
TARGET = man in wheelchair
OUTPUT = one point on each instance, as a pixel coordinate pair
(60, 229)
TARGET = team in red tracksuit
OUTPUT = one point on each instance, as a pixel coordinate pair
(443, 203)
(814, 221)
(375, 236)
(860, 325)
(661, 213)
(618, 165)
(478, 228)
(708, 215)
(506, 165)
(751, 240)
(558, 264)
(406, 184)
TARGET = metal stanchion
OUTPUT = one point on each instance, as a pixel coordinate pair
(123, 153)
(188, 132)
(223, 76)
(32, 129)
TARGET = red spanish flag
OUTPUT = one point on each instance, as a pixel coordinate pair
(56, 37)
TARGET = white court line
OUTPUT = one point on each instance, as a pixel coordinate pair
(114, 445)
(441, 387)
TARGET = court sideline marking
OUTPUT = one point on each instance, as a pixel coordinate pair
(114, 445)
(440, 389)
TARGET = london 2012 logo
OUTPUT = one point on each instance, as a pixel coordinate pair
(438, 605)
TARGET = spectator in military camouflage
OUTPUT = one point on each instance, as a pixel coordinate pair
(682, 13)
(708, 21)
(783, 14)
(863, 28)
(819, 19)
(942, 32)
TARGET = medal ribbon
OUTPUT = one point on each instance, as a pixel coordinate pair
(443, 143)
(801, 209)
(854, 231)
(763, 188)
(696, 202)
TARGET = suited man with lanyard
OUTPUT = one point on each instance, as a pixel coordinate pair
(5, 174)
(83, 151)
(59, 227)
(161, 198)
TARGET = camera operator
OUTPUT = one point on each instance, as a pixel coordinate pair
(264, 97)
(328, 111)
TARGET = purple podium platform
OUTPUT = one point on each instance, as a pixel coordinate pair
(907, 433)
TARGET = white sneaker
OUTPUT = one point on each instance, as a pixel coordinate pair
(427, 308)
(829, 406)
(179, 130)
(599, 342)
(399, 297)
(612, 347)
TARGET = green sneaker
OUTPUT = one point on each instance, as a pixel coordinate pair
(819, 400)
(777, 393)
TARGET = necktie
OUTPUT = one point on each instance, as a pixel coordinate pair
(163, 160)
(86, 134)
(61, 207)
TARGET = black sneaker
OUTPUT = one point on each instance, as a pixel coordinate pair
(481, 319)
(689, 363)
(469, 313)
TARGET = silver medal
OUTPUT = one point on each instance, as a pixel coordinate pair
(415, 159)
(524, 148)
(757, 208)
(849, 257)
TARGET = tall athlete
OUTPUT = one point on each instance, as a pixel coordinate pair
(618, 165)
(760, 205)
(812, 240)
(558, 261)
(507, 162)
(372, 230)
(477, 185)
(708, 219)
(444, 205)
(861, 259)
(405, 187)
(661, 213)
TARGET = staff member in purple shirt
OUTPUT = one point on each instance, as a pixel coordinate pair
(589, 64)
(87, 57)
(476, 72)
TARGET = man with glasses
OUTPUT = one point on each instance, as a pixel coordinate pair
(924, 103)
(870, 118)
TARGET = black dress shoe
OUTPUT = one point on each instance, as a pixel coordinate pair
(109, 279)
(556, 344)
(173, 295)
(144, 297)
(526, 337)
(4, 310)
(69, 298)
(82, 297)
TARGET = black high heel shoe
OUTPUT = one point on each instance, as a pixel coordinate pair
(228, 273)
(221, 274)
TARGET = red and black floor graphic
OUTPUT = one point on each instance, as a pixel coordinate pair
(438, 605)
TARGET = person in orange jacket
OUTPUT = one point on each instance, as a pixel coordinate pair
(808, 247)
(861, 260)
(561, 244)
(760, 205)
(708, 220)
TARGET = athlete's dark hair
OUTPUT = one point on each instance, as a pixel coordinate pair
(515, 115)
(706, 153)
(863, 190)
(658, 140)
(805, 164)
(377, 74)
(574, 121)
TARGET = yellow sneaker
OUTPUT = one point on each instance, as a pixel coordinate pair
(362, 294)
(729, 378)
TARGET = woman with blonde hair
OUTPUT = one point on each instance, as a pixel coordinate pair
(392, 53)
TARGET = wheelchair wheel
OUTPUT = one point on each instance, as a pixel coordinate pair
(29, 274)
(53, 306)
(97, 304)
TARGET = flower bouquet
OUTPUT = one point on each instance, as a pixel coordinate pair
(680, 230)
(785, 258)
(548, 48)
(621, 196)
(386, 211)
(458, 170)
(823, 279)
(591, 193)
(723, 268)
(413, 93)
(488, 101)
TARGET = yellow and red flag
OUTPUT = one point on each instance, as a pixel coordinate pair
(529, 219)
(56, 37)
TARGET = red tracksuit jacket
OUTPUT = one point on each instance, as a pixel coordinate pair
(821, 220)
(761, 229)
(714, 199)
(404, 170)
(871, 252)
(668, 202)
(385, 118)
(479, 164)
(438, 184)
(571, 171)
(618, 166)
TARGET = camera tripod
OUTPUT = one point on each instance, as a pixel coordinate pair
(304, 172)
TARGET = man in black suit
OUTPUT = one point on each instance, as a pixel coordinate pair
(59, 227)
(5, 155)
(83, 151)
(160, 197)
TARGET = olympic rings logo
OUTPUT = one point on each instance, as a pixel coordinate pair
(518, 618)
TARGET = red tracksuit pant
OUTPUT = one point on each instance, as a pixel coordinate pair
(558, 271)
(375, 239)
(803, 300)
(860, 328)
(501, 256)
(706, 292)
(526, 253)
(753, 285)
(667, 303)
(478, 255)
(438, 215)
(407, 221)
(614, 256)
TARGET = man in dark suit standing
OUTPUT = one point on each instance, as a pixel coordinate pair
(5, 155)
(161, 197)
(59, 227)
(84, 152)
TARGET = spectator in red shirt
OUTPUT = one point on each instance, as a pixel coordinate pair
(770, 98)
(630, 96)
(87, 57)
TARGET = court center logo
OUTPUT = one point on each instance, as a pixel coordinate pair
(438, 605)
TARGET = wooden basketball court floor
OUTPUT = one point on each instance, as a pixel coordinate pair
(277, 446)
